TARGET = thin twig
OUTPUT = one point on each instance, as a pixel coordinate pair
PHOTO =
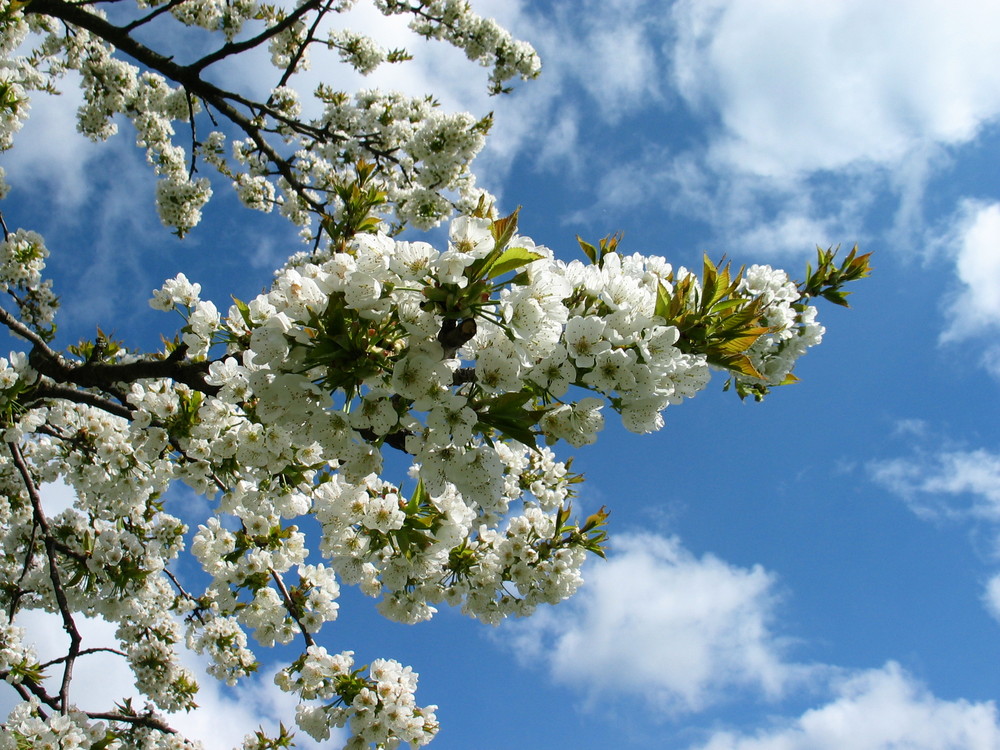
(16, 598)
(235, 48)
(143, 720)
(194, 134)
(290, 606)
(69, 625)
(310, 37)
(150, 16)
(19, 328)
(85, 652)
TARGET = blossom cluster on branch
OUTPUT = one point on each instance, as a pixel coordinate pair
(474, 359)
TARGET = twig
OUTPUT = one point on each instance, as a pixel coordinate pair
(69, 625)
(310, 37)
(85, 652)
(16, 598)
(290, 606)
(143, 720)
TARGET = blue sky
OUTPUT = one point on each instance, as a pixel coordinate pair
(818, 571)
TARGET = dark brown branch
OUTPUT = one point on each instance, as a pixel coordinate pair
(106, 375)
(194, 135)
(28, 687)
(454, 334)
(46, 390)
(25, 332)
(310, 37)
(25, 693)
(395, 440)
(128, 28)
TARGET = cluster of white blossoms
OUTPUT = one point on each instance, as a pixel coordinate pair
(482, 39)
(793, 331)
(277, 159)
(463, 357)
(22, 258)
(344, 357)
(380, 709)
(66, 732)
(113, 87)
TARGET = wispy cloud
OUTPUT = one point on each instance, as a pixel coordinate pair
(956, 484)
(953, 484)
(657, 623)
(875, 710)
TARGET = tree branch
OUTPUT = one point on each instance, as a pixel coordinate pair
(85, 652)
(22, 330)
(28, 687)
(46, 390)
(310, 37)
(105, 375)
(166, 8)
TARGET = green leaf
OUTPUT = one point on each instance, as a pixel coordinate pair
(663, 300)
(741, 342)
(511, 259)
(727, 304)
(418, 498)
(739, 363)
(510, 403)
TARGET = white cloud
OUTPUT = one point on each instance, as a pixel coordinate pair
(789, 233)
(975, 245)
(932, 484)
(810, 114)
(49, 154)
(657, 622)
(879, 709)
(821, 86)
